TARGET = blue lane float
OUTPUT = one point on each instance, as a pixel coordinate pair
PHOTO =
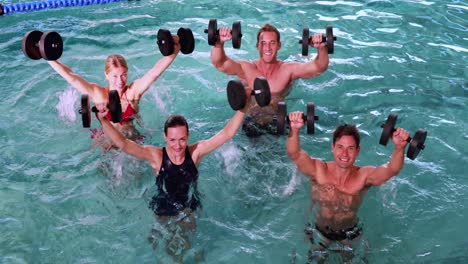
(34, 6)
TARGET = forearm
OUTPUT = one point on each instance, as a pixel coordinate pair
(111, 132)
(322, 60)
(218, 56)
(161, 65)
(293, 144)
(396, 160)
(143, 84)
(234, 124)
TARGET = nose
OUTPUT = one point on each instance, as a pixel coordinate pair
(345, 152)
(177, 145)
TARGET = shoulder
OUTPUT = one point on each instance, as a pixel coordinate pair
(365, 171)
(131, 91)
(99, 89)
(99, 93)
(195, 151)
(288, 65)
(155, 156)
(193, 148)
(248, 64)
(156, 152)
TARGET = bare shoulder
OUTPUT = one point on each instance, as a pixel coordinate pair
(195, 151)
(288, 65)
(322, 166)
(156, 154)
(325, 166)
(366, 171)
(99, 93)
(132, 92)
(248, 64)
(193, 147)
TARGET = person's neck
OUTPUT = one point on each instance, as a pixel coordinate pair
(121, 91)
(343, 174)
(267, 68)
(175, 159)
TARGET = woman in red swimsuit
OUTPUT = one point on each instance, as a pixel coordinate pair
(116, 71)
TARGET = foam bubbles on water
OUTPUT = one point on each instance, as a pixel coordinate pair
(66, 105)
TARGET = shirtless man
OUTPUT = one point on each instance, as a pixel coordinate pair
(175, 168)
(338, 187)
(280, 75)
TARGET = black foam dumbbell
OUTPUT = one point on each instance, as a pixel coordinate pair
(213, 33)
(114, 106)
(328, 38)
(166, 42)
(237, 96)
(416, 144)
(42, 45)
(282, 118)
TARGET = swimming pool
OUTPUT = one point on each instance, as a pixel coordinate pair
(59, 206)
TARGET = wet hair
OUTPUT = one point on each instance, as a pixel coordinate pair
(268, 28)
(346, 130)
(115, 61)
(175, 121)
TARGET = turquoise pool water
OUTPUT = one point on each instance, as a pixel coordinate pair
(62, 201)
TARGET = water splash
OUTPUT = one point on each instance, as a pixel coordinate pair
(232, 158)
(66, 105)
(294, 182)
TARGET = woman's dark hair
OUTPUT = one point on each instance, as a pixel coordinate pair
(175, 121)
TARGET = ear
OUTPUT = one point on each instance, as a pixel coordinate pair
(279, 45)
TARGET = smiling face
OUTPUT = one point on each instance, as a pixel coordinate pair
(117, 78)
(268, 46)
(345, 151)
(176, 133)
(176, 140)
(116, 71)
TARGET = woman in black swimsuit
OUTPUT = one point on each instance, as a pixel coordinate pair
(175, 167)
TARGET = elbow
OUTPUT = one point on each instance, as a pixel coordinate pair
(229, 135)
(293, 155)
(395, 172)
(122, 144)
(218, 65)
(323, 67)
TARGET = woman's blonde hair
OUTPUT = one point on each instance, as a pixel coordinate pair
(115, 61)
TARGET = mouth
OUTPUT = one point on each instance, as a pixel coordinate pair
(343, 159)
